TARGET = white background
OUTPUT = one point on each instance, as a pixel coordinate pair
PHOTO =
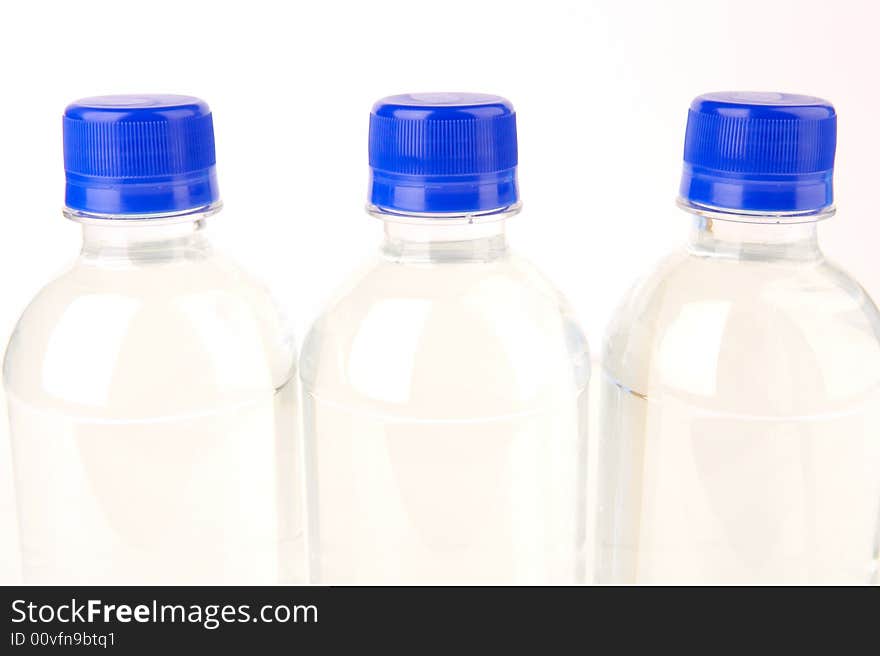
(601, 89)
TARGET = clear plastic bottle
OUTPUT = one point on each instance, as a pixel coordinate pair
(151, 386)
(740, 424)
(444, 387)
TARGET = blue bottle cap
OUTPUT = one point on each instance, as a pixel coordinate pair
(759, 152)
(149, 154)
(443, 153)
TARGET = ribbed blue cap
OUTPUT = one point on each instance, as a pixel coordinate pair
(147, 154)
(443, 152)
(762, 152)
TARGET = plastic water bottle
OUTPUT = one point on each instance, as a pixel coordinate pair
(445, 385)
(151, 385)
(741, 395)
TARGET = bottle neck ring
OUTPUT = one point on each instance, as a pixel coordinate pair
(445, 237)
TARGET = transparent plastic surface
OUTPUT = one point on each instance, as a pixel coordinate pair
(740, 421)
(445, 398)
(152, 401)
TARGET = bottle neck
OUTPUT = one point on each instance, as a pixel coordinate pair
(445, 238)
(753, 238)
(145, 242)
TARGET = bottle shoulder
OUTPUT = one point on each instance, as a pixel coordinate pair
(103, 332)
(512, 283)
(698, 324)
(497, 327)
(439, 280)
